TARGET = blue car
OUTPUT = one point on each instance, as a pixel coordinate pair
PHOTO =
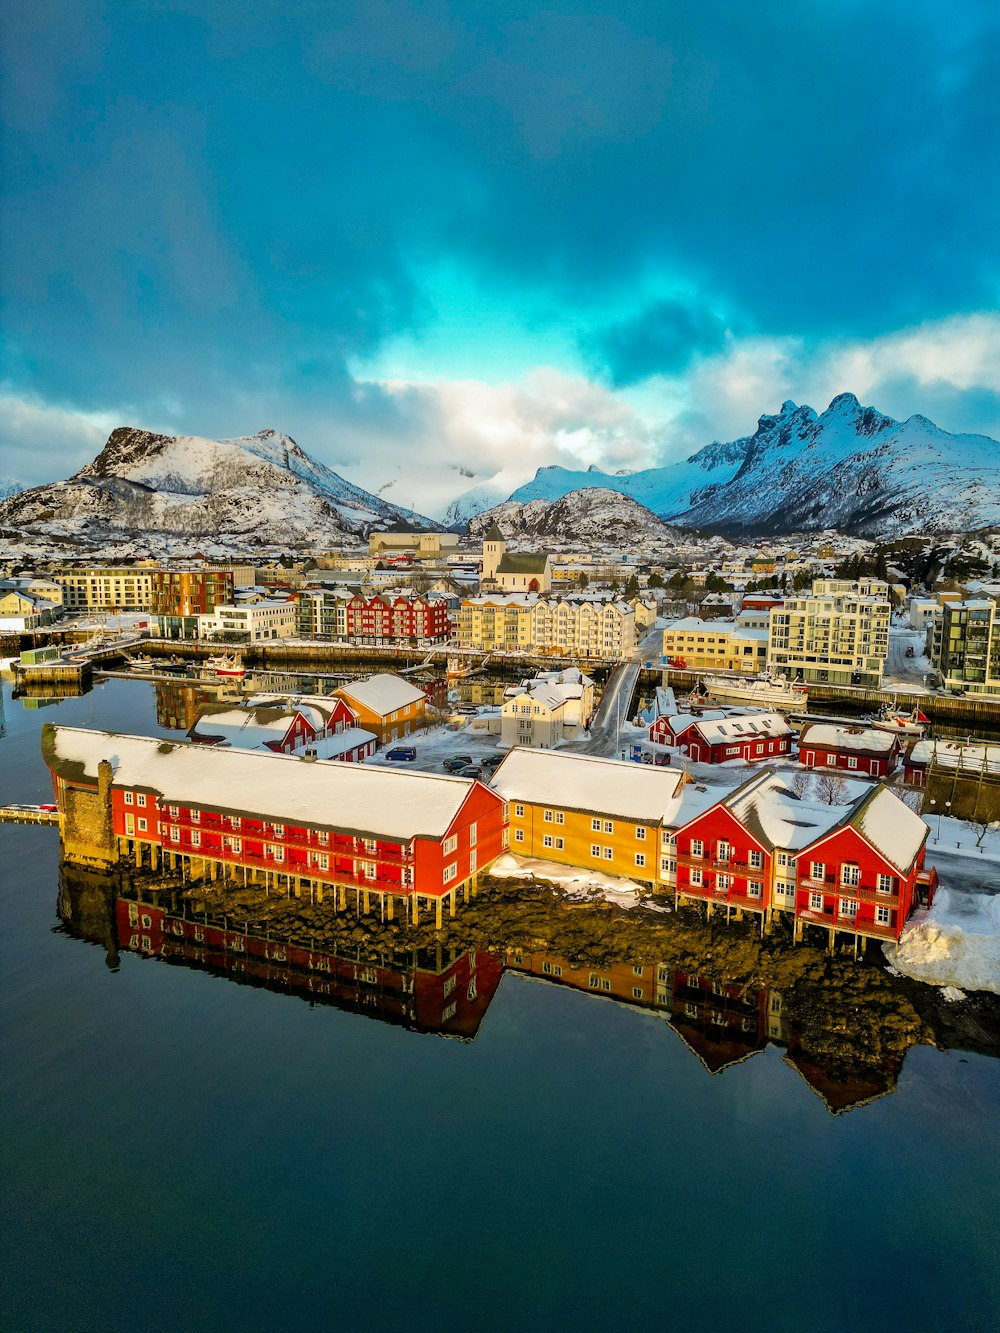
(401, 753)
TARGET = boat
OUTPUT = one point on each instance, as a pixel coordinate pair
(762, 691)
(140, 662)
(900, 722)
(227, 666)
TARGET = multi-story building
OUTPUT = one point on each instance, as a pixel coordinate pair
(180, 596)
(378, 620)
(107, 588)
(322, 726)
(21, 610)
(837, 638)
(547, 709)
(386, 705)
(402, 839)
(257, 622)
(695, 644)
(508, 571)
(964, 646)
(572, 626)
(718, 736)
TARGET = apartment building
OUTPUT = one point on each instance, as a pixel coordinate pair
(964, 645)
(257, 621)
(836, 638)
(695, 644)
(106, 588)
(181, 595)
(581, 626)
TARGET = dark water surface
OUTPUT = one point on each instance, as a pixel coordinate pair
(180, 1151)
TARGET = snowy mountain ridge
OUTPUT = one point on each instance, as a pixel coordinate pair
(252, 491)
(595, 516)
(851, 468)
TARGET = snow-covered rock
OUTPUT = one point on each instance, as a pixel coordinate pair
(851, 468)
(954, 944)
(593, 516)
(253, 491)
(474, 501)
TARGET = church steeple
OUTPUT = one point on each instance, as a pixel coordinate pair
(494, 547)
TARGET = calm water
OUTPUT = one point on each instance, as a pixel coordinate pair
(180, 1151)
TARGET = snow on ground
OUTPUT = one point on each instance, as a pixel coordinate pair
(959, 837)
(956, 944)
(579, 884)
(435, 744)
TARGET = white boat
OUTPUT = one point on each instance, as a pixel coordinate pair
(769, 691)
(227, 666)
(901, 723)
(140, 662)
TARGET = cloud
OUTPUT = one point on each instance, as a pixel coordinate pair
(45, 442)
(660, 340)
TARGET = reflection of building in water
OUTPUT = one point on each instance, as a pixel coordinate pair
(177, 706)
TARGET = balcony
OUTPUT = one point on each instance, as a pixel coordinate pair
(861, 892)
(828, 920)
(309, 842)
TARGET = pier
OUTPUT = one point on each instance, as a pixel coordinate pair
(28, 814)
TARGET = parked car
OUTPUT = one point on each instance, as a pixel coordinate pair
(456, 762)
(401, 753)
(471, 771)
(492, 761)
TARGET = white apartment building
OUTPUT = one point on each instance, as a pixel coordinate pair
(836, 637)
(580, 626)
(106, 589)
(550, 708)
(259, 621)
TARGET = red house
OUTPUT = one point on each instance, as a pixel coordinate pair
(717, 735)
(858, 750)
(382, 834)
(390, 617)
(722, 860)
(323, 725)
(867, 873)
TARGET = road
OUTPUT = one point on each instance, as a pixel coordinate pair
(901, 670)
(613, 711)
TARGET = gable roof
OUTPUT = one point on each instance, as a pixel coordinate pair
(494, 534)
(353, 798)
(523, 562)
(636, 792)
(828, 736)
(383, 693)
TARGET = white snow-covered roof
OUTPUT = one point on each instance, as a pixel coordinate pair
(551, 697)
(716, 730)
(332, 747)
(828, 736)
(638, 792)
(372, 801)
(246, 727)
(771, 810)
(383, 694)
(973, 757)
(891, 827)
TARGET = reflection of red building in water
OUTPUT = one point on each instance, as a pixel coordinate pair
(435, 990)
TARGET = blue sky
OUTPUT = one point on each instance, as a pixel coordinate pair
(437, 239)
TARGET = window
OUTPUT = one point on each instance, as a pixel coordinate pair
(450, 873)
(886, 883)
(754, 888)
(140, 799)
(519, 835)
(595, 849)
(174, 812)
(449, 1012)
(595, 825)
(697, 877)
(883, 917)
(196, 837)
(815, 902)
(598, 983)
(237, 844)
(449, 986)
(667, 867)
(560, 817)
(852, 761)
(609, 826)
(324, 839)
(195, 816)
(323, 860)
(609, 853)
(547, 816)
(279, 853)
(817, 870)
(547, 840)
(129, 798)
(723, 881)
(697, 847)
(519, 811)
(142, 825)
(640, 832)
(552, 969)
(640, 858)
(849, 908)
(449, 845)
(723, 850)
(850, 874)
(130, 825)
(175, 835)
(560, 844)
(473, 834)
(636, 992)
(756, 860)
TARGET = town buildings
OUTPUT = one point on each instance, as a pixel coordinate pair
(386, 705)
(254, 621)
(546, 709)
(21, 610)
(424, 545)
(399, 839)
(581, 625)
(321, 726)
(179, 595)
(858, 750)
(107, 588)
(383, 619)
(718, 735)
(834, 637)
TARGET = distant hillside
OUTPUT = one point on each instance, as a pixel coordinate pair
(258, 490)
(597, 516)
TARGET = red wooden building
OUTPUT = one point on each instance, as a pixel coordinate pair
(864, 751)
(324, 725)
(867, 873)
(716, 736)
(389, 837)
(722, 860)
(386, 618)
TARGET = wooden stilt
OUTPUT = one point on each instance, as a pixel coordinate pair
(438, 922)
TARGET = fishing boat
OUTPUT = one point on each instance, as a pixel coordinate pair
(764, 691)
(140, 662)
(894, 719)
(227, 666)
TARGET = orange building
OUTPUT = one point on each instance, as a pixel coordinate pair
(386, 705)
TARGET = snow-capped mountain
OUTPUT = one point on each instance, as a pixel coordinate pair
(9, 487)
(474, 501)
(851, 468)
(257, 490)
(596, 516)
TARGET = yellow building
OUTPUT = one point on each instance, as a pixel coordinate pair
(107, 588)
(598, 814)
(581, 626)
(386, 705)
(715, 645)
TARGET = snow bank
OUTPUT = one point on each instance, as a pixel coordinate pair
(583, 885)
(956, 944)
